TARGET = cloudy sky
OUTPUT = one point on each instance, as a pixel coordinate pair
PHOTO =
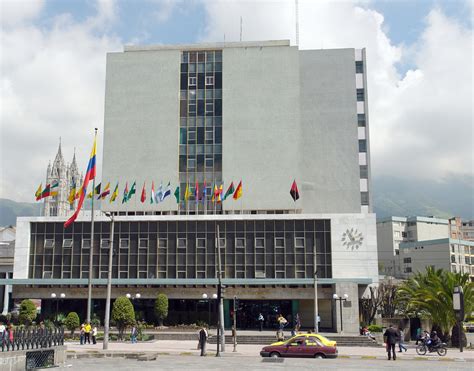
(419, 63)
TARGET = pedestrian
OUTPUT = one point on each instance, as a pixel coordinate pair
(94, 335)
(418, 335)
(318, 320)
(400, 342)
(282, 322)
(261, 320)
(133, 334)
(297, 322)
(280, 335)
(82, 335)
(203, 335)
(87, 333)
(390, 337)
(10, 333)
(2, 332)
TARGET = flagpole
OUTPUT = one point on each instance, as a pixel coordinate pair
(91, 251)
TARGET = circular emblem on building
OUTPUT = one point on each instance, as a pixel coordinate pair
(352, 239)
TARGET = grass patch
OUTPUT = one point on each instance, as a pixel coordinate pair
(185, 354)
(368, 357)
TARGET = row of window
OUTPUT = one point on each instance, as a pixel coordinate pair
(124, 243)
(208, 121)
(201, 56)
(201, 67)
(194, 94)
(193, 135)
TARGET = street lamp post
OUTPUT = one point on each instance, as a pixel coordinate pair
(340, 299)
(54, 296)
(105, 344)
(206, 297)
(316, 324)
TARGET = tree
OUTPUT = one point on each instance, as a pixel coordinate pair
(388, 294)
(161, 308)
(123, 314)
(430, 294)
(72, 322)
(370, 305)
(28, 312)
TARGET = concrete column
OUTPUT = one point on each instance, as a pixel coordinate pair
(6, 296)
(350, 308)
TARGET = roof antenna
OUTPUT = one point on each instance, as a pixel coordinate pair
(240, 28)
(297, 24)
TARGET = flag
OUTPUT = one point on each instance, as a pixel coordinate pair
(132, 191)
(159, 194)
(72, 194)
(46, 191)
(78, 193)
(38, 192)
(90, 174)
(105, 192)
(187, 193)
(176, 194)
(143, 197)
(204, 193)
(114, 195)
(215, 194)
(167, 191)
(219, 196)
(95, 192)
(53, 193)
(229, 191)
(238, 191)
(55, 184)
(152, 196)
(196, 192)
(125, 193)
(294, 191)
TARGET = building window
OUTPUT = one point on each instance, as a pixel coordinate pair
(362, 145)
(162, 243)
(240, 242)
(260, 243)
(192, 80)
(408, 270)
(181, 243)
(209, 135)
(407, 260)
(364, 198)
(104, 243)
(86, 243)
(364, 172)
(48, 243)
(124, 243)
(209, 80)
(209, 107)
(191, 163)
(360, 95)
(359, 67)
(191, 135)
(47, 274)
(404, 234)
(279, 242)
(143, 243)
(453, 259)
(299, 242)
(361, 119)
(67, 243)
(192, 109)
(201, 243)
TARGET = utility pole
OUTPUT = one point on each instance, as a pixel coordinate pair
(220, 301)
(315, 276)
(234, 329)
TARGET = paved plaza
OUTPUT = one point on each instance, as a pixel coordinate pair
(174, 362)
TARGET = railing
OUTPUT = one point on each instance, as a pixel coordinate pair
(36, 338)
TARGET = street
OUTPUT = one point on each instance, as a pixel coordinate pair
(192, 362)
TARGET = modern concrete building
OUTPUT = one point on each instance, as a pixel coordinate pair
(7, 249)
(393, 231)
(446, 253)
(264, 113)
(467, 230)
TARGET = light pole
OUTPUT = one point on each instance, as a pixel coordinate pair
(316, 324)
(105, 344)
(206, 297)
(220, 327)
(54, 296)
(340, 299)
(234, 329)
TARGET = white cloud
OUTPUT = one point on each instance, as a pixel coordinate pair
(52, 85)
(421, 122)
(13, 12)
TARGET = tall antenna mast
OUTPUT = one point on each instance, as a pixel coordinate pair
(297, 24)
(241, 28)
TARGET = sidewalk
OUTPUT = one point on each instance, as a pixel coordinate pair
(189, 348)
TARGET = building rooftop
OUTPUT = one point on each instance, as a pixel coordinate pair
(207, 46)
(439, 241)
(405, 219)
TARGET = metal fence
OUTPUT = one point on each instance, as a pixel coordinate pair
(33, 338)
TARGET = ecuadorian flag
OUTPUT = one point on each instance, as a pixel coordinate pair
(90, 174)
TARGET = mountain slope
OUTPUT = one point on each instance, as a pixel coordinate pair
(10, 210)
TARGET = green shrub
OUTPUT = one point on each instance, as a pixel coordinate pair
(123, 314)
(161, 308)
(28, 312)
(375, 328)
(72, 322)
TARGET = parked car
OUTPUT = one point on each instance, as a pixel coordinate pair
(469, 326)
(303, 345)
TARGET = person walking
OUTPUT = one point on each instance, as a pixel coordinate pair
(82, 335)
(94, 335)
(203, 335)
(282, 322)
(87, 333)
(390, 338)
(297, 322)
(10, 333)
(400, 342)
(133, 334)
(261, 320)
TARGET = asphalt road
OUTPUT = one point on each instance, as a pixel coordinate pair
(193, 362)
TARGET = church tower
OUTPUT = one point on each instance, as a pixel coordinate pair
(65, 176)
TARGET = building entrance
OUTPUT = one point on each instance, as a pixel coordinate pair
(249, 310)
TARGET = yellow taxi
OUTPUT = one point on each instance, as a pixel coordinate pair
(324, 340)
